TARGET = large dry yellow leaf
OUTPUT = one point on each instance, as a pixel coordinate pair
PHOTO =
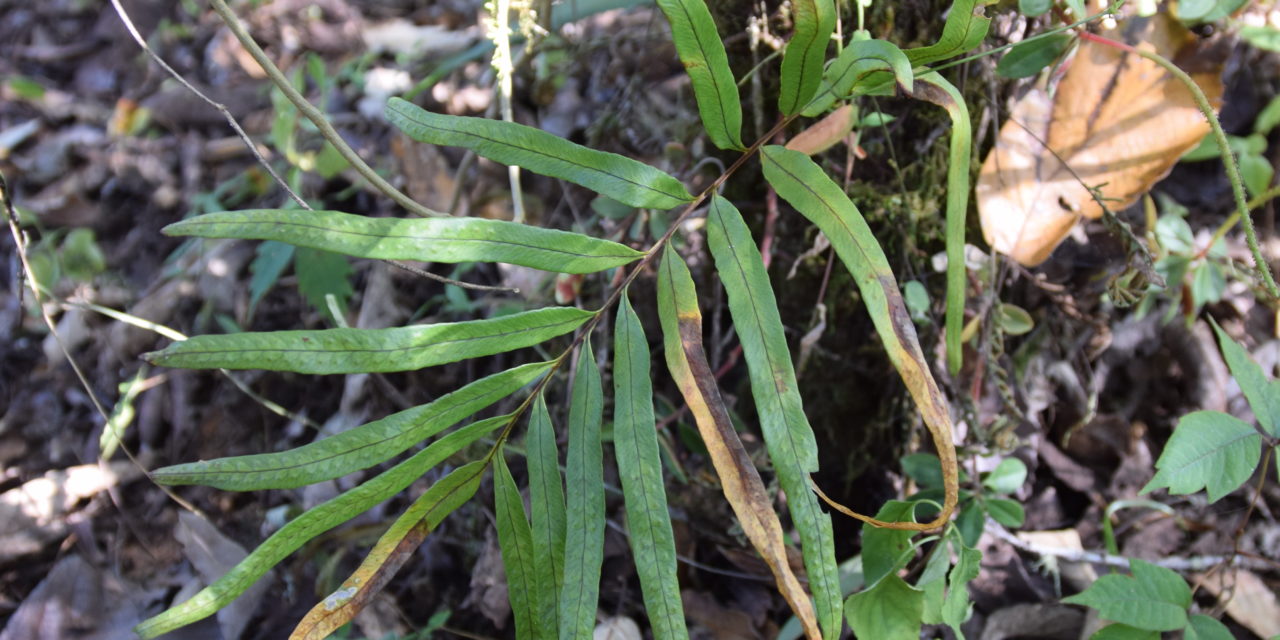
(1117, 123)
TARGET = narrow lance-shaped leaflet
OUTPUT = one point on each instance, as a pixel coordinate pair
(863, 66)
(932, 87)
(702, 52)
(965, 29)
(739, 479)
(546, 506)
(516, 541)
(635, 445)
(584, 513)
(310, 524)
(355, 449)
(792, 446)
(618, 177)
(803, 183)
(448, 240)
(806, 52)
(346, 350)
(392, 550)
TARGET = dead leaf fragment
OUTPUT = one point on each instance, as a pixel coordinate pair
(1248, 600)
(1116, 123)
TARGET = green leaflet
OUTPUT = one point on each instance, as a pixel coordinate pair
(635, 443)
(618, 177)
(787, 432)
(449, 240)
(932, 87)
(965, 29)
(311, 524)
(352, 450)
(370, 350)
(700, 49)
(584, 515)
(546, 501)
(862, 67)
(517, 549)
(392, 550)
(890, 610)
(803, 183)
(805, 54)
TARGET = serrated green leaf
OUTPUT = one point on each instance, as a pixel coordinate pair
(1153, 598)
(392, 550)
(702, 52)
(635, 445)
(932, 87)
(322, 273)
(1006, 512)
(448, 240)
(956, 606)
(355, 449)
(546, 506)
(1264, 402)
(863, 65)
(344, 350)
(310, 524)
(890, 610)
(1208, 450)
(965, 29)
(584, 513)
(621, 178)
(270, 260)
(1202, 627)
(884, 551)
(791, 443)
(1118, 631)
(1007, 477)
(802, 60)
(516, 541)
(1026, 59)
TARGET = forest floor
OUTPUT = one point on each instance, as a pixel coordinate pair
(101, 150)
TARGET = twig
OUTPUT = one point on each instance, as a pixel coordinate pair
(313, 114)
(226, 113)
(1194, 563)
(500, 33)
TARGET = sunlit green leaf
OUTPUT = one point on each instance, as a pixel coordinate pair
(805, 53)
(584, 513)
(355, 449)
(1006, 512)
(449, 240)
(610, 174)
(346, 350)
(1153, 598)
(1208, 450)
(863, 65)
(965, 29)
(635, 445)
(1007, 477)
(704, 58)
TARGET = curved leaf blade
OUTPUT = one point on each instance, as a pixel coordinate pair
(739, 479)
(392, 550)
(358, 448)
(516, 541)
(802, 60)
(1208, 450)
(892, 609)
(792, 446)
(635, 445)
(864, 66)
(1153, 598)
(584, 514)
(700, 49)
(621, 178)
(803, 183)
(310, 524)
(965, 29)
(546, 506)
(343, 350)
(448, 240)
(932, 87)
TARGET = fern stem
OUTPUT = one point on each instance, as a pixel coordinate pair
(313, 114)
